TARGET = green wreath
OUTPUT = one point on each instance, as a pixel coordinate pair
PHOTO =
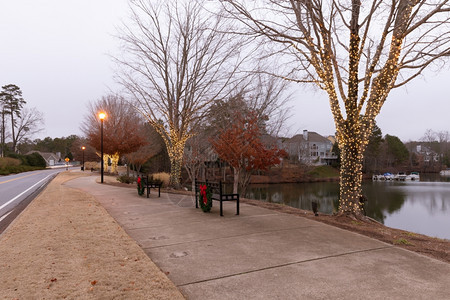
(205, 198)
(140, 186)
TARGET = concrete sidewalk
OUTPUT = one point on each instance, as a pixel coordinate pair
(262, 254)
(65, 245)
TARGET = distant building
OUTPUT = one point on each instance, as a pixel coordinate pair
(426, 154)
(309, 148)
(51, 159)
(332, 139)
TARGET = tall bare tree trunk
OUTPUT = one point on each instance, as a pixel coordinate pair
(236, 175)
(13, 134)
(2, 141)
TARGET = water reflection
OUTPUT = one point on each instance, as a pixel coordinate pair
(422, 207)
(298, 195)
(382, 199)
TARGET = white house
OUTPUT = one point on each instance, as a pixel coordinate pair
(50, 158)
(426, 154)
(309, 148)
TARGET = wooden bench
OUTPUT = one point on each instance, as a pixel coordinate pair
(148, 184)
(217, 194)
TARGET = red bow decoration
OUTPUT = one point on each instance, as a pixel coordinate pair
(139, 181)
(203, 193)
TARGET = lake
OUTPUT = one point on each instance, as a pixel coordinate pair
(416, 206)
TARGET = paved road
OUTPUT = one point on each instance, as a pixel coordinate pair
(17, 190)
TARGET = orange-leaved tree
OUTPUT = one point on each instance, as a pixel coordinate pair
(122, 130)
(241, 146)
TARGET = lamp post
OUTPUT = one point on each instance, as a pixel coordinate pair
(102, 116)
(83, 148)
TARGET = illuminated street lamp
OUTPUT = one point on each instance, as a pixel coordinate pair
(102, 116)
(83, 148)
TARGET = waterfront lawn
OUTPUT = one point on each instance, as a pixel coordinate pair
(323, 172)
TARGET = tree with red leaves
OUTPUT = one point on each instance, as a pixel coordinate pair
(242, 148)
(122, 130)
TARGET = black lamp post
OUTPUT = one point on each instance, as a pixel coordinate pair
(83, 148)
(102, 116)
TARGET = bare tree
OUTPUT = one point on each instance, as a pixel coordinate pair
(261, 94)
(178, 58)
(429, 136)
(443, 136)
(267, 96)
(198, 151)
(28, 123)
(437, 141)
(356, 51)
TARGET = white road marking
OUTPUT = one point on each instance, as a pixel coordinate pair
(4, 216)
(16, 197)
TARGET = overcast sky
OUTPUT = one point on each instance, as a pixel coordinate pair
(56, 51)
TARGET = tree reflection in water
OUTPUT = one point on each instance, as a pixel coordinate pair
(421, 207)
